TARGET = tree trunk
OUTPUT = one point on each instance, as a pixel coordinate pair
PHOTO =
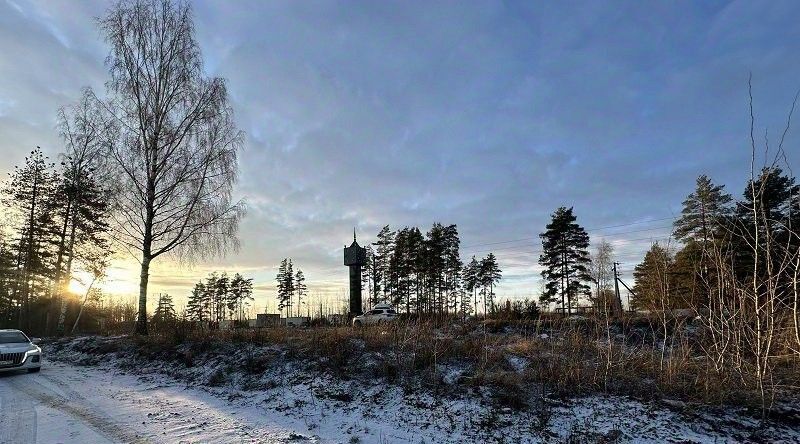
(83, 304)
(67, 274)
(141, 319)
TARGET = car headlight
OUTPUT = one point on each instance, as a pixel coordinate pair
(35, 353)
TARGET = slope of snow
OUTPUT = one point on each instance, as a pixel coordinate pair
(215, 400)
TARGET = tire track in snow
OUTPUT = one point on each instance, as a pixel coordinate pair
(17, 413)
(76, 407)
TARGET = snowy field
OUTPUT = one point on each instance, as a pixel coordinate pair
(100, 403)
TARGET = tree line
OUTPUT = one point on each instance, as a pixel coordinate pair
(291, 286)
(220, 297)
(755, 234)
(424, 274)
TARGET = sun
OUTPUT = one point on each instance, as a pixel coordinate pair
(77, 285)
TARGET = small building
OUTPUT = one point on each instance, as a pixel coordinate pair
(268, 320)
(297, 321)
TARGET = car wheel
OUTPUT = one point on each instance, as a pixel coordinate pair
(357, 323)
(34, 370)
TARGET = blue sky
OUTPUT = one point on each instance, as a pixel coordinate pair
(484, 114)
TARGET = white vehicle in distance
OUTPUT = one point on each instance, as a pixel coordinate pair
(18, 352)
(379, 314)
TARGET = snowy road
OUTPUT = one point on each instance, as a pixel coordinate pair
(68, 404)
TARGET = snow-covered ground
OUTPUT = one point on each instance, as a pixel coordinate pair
(68, 404)
(212, 401)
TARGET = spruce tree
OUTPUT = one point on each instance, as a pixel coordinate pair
(165, 310)
(565, 259)
(653, 281)
(197, 304)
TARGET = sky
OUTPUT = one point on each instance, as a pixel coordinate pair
(484, 114)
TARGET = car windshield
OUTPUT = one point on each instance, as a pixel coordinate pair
(12, 337)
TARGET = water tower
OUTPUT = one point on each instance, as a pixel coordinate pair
(354, 257)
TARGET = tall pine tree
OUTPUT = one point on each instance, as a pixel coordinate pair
(705, 211)
(29, 196)
(489, 275)
(565, 259)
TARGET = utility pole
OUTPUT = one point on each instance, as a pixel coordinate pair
(617, 300)
(616, 287)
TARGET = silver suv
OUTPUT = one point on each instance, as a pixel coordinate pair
(18, 352)
(378, 315)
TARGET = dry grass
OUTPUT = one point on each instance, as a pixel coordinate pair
(518, 360)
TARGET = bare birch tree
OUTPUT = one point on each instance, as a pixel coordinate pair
(176, 155)
(87, 136)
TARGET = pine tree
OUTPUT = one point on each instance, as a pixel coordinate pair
(565, 259)
(367, 276)
(375, 296)
(83, 207)
(704, 212)
(471, 282)
(384, 251)
(240, 294)
(29, 194)
(210, 295)
(772, 195)
(489, 275)
(220, 298)
(286, 288)
(300, 288)
(767, 221)
(434, 257)
(453, 266)
(289, 284)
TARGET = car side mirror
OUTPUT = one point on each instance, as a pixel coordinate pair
(36, 340)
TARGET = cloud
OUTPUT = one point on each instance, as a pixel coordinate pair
(485, 114)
